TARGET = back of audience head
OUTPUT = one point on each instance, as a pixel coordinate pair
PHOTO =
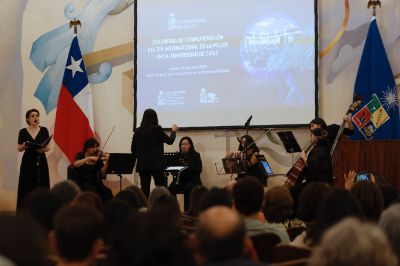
(89, 198)
(130, 197)
(248, 195)
(140, 194)
(337, 205)
(65, 191)
(42, 205)
(370, 198)
(155, 193)
(352, 242)
(145, 240)
(166, 208)
(310, 199)
(77, 233)
(278, 205)
(196, 196)
(22, 240)
(389, 193)
(215, 197)
(115, 212)
(389, 222)
(220, 234)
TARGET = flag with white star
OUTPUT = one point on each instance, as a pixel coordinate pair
(375, 84)
(74, 115)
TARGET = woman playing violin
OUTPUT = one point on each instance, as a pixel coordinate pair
(247, 153)
(91, 167)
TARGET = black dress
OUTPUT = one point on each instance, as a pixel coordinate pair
(188, 179)
(148, 149)
(89, 178)
(34, 172)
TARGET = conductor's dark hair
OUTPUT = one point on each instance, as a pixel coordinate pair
(29, 112)
(90, 143)
(149, 118)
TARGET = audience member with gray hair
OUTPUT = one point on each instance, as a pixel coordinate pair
(352, 242)
(390, 224)
(65, 191)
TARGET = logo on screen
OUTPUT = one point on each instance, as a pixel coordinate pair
(184, 24)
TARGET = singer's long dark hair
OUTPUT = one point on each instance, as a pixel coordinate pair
(249, 141)
(149, 119)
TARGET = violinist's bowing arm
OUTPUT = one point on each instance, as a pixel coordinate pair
(89, 159)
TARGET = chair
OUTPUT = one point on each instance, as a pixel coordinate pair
(264, 243)
(284, 253)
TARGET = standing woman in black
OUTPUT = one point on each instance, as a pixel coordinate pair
(148, 149)
(34, 171)
(190, 177)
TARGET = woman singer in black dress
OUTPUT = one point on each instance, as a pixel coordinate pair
(91, 167)
(148, 149)
(34, 171)
(190, 177)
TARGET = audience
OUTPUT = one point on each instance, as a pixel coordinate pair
(215, 197)
(90, 199)
(389, 192)
(141, 195)
(65, 191)
(370, 198)
(77, 235)
(220, 236)
(166, 208)
(390, 224)
(352, 242)
(155, 193)
(310, 199)
(196, 196)
(248, 194)
(130, 197)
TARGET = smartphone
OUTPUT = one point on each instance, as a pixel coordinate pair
(363, 176)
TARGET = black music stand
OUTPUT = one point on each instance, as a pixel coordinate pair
(233, 166)
(120, 164)
(289, 141)
(175, 163)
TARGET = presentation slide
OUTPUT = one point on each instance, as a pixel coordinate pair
(215, 63)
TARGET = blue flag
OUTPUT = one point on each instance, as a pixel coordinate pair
(378, 116)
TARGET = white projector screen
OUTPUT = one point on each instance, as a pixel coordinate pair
(213, 63)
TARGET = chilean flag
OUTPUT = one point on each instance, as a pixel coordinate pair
(74, 116)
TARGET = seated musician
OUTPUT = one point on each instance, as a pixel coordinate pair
(190, 177)
(247, 153)
(91, 167)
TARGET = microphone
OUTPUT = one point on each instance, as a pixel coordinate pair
(248, 121)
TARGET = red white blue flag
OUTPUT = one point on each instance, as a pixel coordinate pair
(74, 116)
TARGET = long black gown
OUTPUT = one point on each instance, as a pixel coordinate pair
(34, 171)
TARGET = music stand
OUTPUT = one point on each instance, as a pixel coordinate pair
(289, 141)
(175, 163)
(120, 164)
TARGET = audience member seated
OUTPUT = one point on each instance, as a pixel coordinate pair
(337, 205)
(65, 191)
(115, 212)
(352, 242)
(155, 193)
(90, 199)
(370, 198)
(278, 207)
(130, 197)
(389, 192)
(21, 240)
(77, 235)
(166, 208)
(264, 243)
(248, 194)
(146, 240)
(42, 205)
(221, 238)
(141, 195)
(215, 197)
(189, 218)
(310, 200)
(389, 222)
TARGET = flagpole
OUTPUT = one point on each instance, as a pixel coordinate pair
(374, 4)
(75, 23)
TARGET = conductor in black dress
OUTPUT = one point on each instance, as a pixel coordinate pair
(34, 171)
(148, 149)
(190, 177)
